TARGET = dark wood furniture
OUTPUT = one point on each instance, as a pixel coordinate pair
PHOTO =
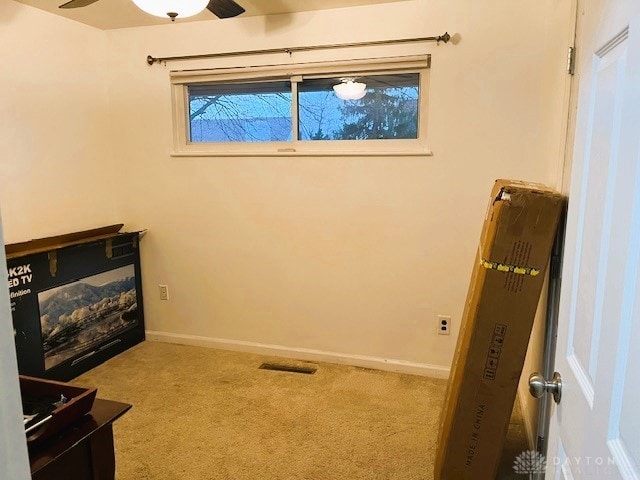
(79, 402)
(83, 451)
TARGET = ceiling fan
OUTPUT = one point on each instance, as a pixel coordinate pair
(220, 8)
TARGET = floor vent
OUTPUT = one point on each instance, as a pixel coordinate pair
(282, 367)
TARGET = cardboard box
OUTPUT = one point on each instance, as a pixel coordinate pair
(76, 300)
(505, 288)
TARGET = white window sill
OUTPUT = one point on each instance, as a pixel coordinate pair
(305, 153)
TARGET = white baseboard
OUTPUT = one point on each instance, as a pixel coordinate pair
(528, 426)
(391, 365)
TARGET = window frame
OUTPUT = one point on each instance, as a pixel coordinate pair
(295, 73)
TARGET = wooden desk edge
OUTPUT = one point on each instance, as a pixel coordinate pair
(42, 455)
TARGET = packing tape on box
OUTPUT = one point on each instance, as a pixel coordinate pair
(503, 267)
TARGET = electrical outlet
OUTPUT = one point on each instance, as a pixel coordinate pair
(444, 324)
(164, 292)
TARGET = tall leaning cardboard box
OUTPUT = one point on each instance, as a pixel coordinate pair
(505, 288)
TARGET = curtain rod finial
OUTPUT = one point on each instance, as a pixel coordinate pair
(151, 60)
(455, 39)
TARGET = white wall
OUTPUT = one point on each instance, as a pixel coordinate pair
(347, 255)
(56, 172)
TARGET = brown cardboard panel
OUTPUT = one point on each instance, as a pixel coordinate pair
(505, 288)
(39, 245)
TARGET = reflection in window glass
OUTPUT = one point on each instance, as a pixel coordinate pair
(240, 112)
(389, 110)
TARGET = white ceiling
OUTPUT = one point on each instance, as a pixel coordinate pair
(109, 14)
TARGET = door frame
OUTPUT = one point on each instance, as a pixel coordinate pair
(14, 459)
(563, 182)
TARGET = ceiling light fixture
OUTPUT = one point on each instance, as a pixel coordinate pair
(172, 8)
(349, 89)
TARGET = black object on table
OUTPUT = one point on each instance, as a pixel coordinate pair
(84, 450)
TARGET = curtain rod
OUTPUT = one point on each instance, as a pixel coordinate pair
(445, 37)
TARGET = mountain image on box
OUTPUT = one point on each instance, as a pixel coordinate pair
(80, 315)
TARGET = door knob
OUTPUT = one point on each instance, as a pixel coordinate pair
(538, 385)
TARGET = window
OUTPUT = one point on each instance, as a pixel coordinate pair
(388, 110)
(266, 111)
(240, 112)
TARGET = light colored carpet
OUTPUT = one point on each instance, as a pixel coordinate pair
(201, 414)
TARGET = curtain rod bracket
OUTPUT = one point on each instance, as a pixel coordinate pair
(444, 38)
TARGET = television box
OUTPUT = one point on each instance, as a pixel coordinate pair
(505, 288)
(76, 300)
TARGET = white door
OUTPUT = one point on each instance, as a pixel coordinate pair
(14, 463)
(595, 430)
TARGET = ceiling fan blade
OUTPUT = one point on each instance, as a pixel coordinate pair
(77, 3)
(221, 8)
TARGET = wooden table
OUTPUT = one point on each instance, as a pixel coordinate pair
(83, 451)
